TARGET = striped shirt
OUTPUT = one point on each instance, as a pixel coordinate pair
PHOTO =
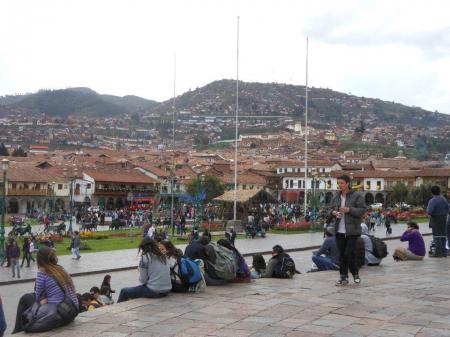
(47, 287)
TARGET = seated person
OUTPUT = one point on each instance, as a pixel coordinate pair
(2, 319)
(89, 302)
(327, 257)
(95, 291)
(51, 287)
(173, 256)
(370, 259)
(243, 272)
(105, 296)
(416, 245)
(279, 270)
(258, 266)
(154, 273)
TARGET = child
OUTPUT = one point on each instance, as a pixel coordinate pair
(107, 284)
(258, 266)
(105, 296)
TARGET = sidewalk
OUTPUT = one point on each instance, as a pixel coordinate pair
(106, 262)
(404, 299)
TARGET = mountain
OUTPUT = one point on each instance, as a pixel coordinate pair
(75, 101)
(218, 99)
(324, 105)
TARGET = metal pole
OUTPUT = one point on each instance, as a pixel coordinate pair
(237, 123)
(71, 204)
(173, 145)
(306, 130)
(2, 227)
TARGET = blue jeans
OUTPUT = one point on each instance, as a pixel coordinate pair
(2, 319)
(138, 292)
(76, 252)
(323, 262)
(448, 233)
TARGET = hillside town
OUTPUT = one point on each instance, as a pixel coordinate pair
(112, 179)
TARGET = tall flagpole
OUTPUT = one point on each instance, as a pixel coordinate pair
(237, 123)
(173, 143)
(306, 130)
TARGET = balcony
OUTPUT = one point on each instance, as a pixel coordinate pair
(12, 192)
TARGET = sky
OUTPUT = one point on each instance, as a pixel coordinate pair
(394, 50)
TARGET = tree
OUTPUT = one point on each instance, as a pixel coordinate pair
(3, 150)
(399, 192)
(211, 185)
(19, 152)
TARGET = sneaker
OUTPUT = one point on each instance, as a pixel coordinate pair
(357, 279)
(342, 282)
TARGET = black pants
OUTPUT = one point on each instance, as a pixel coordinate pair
(26, 256)
(25, 302)
(347, 249)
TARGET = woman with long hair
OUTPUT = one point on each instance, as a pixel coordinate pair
(52, 285)
(154, 273)
(174, 256)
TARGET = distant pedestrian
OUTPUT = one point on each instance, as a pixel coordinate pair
(348, 208)
(438, 209)
(14, 257)
(76, 243)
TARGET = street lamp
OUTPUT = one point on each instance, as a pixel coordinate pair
(199, 204)
(5, 166)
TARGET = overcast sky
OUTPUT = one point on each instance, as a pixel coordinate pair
(394, 50)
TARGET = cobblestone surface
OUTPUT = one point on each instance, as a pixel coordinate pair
(395, 299)
(91, 262)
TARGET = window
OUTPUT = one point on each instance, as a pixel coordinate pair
(88, 186)
(378, 185)
(329, 184)
(368, 185)
(60, 186)
(285, 170)
(291, 183)
(14, 186)
(244, 187)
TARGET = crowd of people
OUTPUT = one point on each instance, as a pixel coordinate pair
(163, 268)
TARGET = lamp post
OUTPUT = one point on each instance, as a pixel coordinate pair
(75, 174)
(5, 166)
(199, 204)
(53, 201)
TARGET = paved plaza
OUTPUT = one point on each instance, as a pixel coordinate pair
(127, 258)
(396, 299)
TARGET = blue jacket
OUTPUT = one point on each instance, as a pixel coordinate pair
(437, 205)
(329, 248)
(2, 319)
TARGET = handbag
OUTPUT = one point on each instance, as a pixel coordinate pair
(45, 317)
(66, 309)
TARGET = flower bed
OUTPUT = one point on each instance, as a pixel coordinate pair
(93, 236)
(294, 226)
(212, 226)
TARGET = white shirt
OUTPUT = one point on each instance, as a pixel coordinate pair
(151, 232)
(341, 225)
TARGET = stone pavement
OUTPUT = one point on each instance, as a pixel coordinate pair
(395, 299)
(105, 262)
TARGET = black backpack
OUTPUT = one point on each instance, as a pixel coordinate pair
(379, 248)
(285, 267)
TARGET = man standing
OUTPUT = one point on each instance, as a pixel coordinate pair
(347, 208)
(438, 211)
(76, 245)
